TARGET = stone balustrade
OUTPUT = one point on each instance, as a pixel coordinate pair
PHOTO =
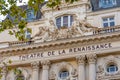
(20, 43)
(95, 32)
(106, 30)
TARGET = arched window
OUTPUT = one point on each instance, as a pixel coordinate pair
(64, 21)
(20, 77)
(112, 68)
(63, 74)
(107, 3)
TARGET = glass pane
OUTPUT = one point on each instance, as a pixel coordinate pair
(64, 74)
(112, 24)
(105, 24)
(58, 22)
(65, 21)
(112, 68)
(107, 3)
(112, 18)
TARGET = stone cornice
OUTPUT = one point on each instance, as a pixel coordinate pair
(91, 13)
(6, 51)
(66, 6)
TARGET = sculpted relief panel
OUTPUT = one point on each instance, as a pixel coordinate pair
(78, 28)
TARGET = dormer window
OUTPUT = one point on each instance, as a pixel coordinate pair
(30, 15)
(107, 3)
(64, 21)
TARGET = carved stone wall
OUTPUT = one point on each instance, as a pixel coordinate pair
(56, 68)
(102, 65)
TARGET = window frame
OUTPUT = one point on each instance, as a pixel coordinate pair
(107, 5)
(108, 21)
(69, 21)
(111, 66)
(63, 72)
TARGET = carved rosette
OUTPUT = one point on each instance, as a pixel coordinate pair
(45, 64)
(80, 59)
(35, 65)
(91, 58)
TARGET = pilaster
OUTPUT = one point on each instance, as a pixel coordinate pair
(81, 67)
(35, 67)
(92, 66)
(45, 66)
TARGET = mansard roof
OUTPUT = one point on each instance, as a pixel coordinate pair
(95, 5)
(38, 15)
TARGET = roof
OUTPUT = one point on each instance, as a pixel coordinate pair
(95, 5)
(38, 15)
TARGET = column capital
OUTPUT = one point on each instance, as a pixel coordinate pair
(35, 65)
(80, 59)
(91, 58)
(45, 64)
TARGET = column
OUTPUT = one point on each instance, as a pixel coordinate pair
(35, 73)
(81, 67)
(4, 72)
(92, 67)
(45, 66)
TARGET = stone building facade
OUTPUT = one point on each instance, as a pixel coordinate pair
(80, 41)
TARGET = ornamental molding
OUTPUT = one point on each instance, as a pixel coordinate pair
(91, 58)
(35, 65)
(81, 59)
(58, 67)
(45, 64)
(101, 68)
(16, 50)
(66, 6)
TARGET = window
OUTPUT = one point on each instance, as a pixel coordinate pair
(64, 21)
(108, 22)
(20, 77)
(64, 74)
(30, 15)
(27, 35)
(112, 68)
(107, 3)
